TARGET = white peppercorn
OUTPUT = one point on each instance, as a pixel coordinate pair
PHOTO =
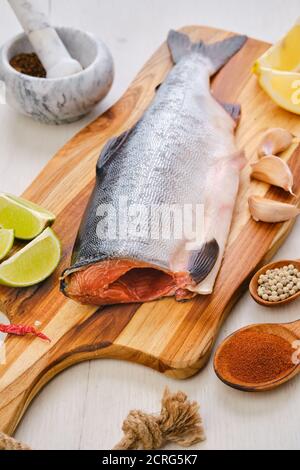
(279, 284)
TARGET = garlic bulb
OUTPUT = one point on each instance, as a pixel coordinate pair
(274, 170)
(266, 210)
(275, 141)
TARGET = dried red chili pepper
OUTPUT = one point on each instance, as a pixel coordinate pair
(21, 330)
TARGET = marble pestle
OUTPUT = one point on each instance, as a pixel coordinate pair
(45, 41)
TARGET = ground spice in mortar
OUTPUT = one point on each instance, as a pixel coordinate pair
(255, 357)
(28, 64)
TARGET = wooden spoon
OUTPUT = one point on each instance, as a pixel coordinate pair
(254, 283)
(287, 331)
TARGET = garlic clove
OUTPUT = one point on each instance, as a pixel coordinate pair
(267, 210)
(274, 141)
(275, 171)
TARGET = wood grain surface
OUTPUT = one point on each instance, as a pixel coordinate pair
(173, 338)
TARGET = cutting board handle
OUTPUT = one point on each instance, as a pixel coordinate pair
(86, 333)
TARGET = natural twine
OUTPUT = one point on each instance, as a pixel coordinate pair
(179, 422)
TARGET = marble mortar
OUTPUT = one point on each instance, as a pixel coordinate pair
(59, 100)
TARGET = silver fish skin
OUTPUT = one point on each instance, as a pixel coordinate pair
(181, 152)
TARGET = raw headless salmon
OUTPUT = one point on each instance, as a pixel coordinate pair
(182, 152)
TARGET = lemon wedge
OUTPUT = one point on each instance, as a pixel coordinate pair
(278, 71)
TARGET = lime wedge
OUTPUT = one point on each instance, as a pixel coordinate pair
(6, 242)
(28, 220)
(32, 264)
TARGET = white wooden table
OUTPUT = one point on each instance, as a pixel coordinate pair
(83, 408)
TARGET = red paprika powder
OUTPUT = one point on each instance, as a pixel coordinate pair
(255, 357)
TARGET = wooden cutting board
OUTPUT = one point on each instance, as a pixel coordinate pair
(176, 339)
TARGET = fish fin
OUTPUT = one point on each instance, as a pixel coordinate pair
(234, 110)
(111, 147)
(203, 261)
(179, 44)
(219, 53)
(239, 160)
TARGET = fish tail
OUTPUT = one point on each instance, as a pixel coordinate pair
(218, 53)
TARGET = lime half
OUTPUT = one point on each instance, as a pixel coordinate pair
(28, 220)
(7, 238)
(32, 264)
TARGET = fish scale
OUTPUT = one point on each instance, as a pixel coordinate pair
(181, 152)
